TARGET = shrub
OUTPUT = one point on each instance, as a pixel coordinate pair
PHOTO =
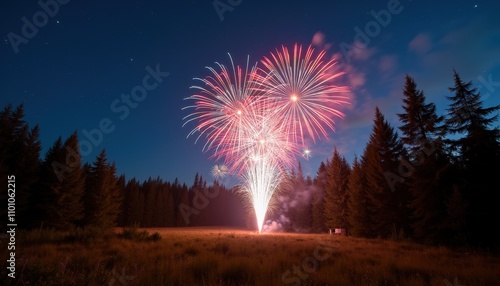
(132, 233)
(39, 235)
(88, 234)
(191, 251)
(221, 248)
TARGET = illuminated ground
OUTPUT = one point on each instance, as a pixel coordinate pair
(222, 256)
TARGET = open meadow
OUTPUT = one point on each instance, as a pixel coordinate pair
(222, 256)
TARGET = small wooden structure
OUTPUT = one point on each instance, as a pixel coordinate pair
(338, 231)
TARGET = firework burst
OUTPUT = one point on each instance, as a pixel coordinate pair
(221, 106)
(256, 119)
(219, 171)
(302, 87)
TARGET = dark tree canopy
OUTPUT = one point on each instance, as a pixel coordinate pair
(359, 218)
(477, 153)
(102, 197)
(384, 185)
(420, 121)
(335, 200)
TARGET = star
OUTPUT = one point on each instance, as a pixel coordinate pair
(57, 21)
(131, 59)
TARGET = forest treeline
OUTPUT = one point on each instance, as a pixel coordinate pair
(432, 180)
(435, 181)
(61, 192)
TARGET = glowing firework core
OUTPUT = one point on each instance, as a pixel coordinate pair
(263, 141)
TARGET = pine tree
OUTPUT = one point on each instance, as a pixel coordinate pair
(170, 209)
(166, 212)
(456, 224)
(184, 209)
(150, 189)
(134, 203)
(59, 197)
(70, 199)
(19, 156)
(478, 156)
(466, 115)
(29, 171)
(429, 180)
(176, 194)
(298, 195)
(102, 201)
(420, 121)
(430, 186)
(318, 216)
(49, 187)
(12, 129)
(197, 182)
(159, 207)
(359, 217)
(381, 161)
(336, 192)
(121, 184)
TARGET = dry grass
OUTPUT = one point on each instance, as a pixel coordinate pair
(213, 256)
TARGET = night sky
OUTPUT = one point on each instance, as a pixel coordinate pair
(71, 72)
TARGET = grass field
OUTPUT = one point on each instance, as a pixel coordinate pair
(218, 256)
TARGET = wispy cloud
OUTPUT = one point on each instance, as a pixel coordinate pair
(374, 79)
(456, 49)
(388, 63)
(421, 44)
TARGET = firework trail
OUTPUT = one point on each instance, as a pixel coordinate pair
(262, 177)
(256, 119)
